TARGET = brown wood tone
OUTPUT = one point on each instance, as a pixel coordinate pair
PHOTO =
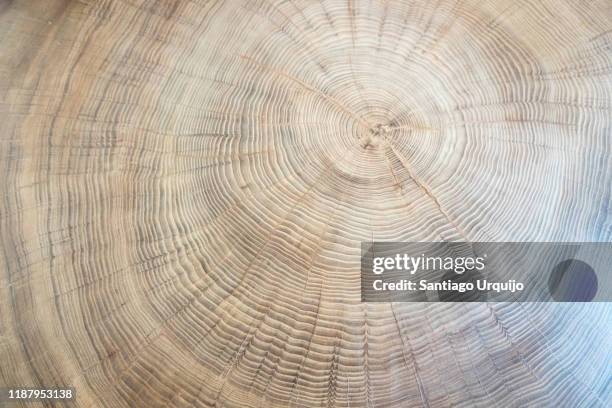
(184, 187)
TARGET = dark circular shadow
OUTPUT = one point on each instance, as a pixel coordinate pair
(572, 281)
(471, 295)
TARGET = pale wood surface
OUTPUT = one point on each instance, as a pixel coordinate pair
(184, 186)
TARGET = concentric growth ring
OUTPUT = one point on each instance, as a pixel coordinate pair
(186, 184)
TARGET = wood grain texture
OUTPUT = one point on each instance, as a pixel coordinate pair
(185, 184)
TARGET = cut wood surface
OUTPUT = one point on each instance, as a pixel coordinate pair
(184, 187)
